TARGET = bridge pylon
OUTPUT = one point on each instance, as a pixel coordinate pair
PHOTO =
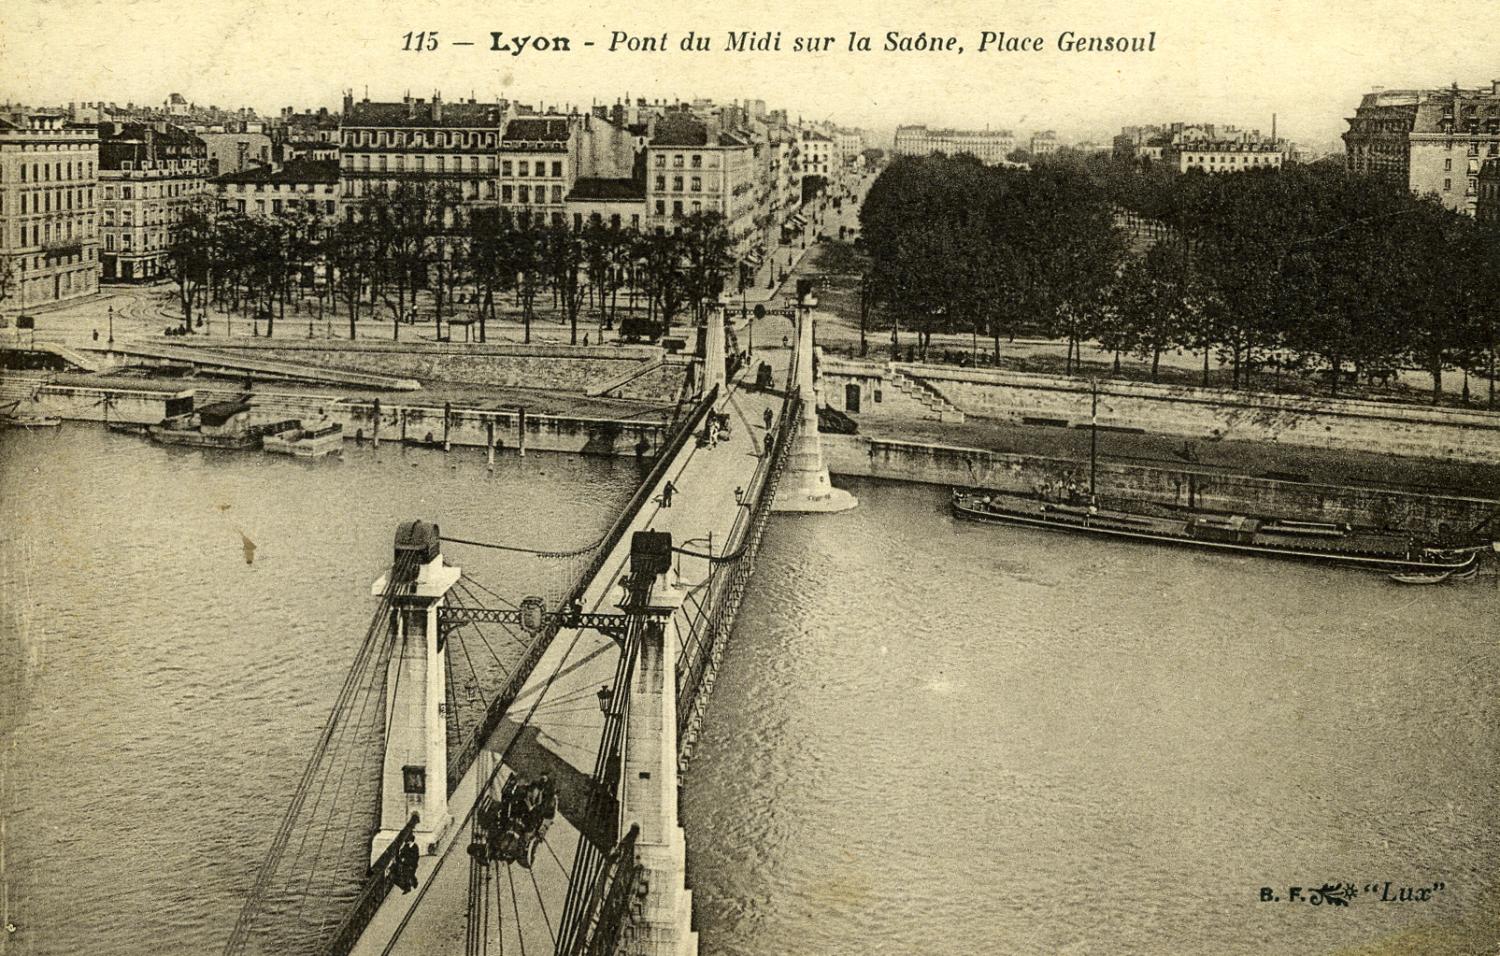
(805, 486)
(414, 778)
(663, 926)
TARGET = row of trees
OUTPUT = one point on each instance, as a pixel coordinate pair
(956, 246)
(1301, 267)
(418, 239)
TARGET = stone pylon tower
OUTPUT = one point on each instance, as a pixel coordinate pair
(805, 486)
(648, 768)
(415, 774)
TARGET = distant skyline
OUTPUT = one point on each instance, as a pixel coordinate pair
(1237, 64)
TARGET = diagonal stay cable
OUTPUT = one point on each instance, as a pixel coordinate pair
(520, 936)
(543, 906)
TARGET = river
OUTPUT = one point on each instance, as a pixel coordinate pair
(934, 737)
(927, 737)
(159, 696)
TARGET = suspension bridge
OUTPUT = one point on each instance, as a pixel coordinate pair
(499, 771)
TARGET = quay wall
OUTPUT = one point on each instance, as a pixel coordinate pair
(551, 367)
(138, 406)
(458, 426)
(1452, 434)
(1119, 483)
(408, 421)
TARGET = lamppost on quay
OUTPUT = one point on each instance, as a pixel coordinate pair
(111, 315)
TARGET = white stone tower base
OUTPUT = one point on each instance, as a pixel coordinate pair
(804, 487)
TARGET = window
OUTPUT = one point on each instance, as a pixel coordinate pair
(525, 194)
(661, 161)
(697, 184)
(524, 168)
(505, 167)
(677, 207)
(677, 184)
(557, 168)
(697, 161)
(1447, 185)
(507, 193)
(557, 194)
(661, 207)
(677, 161)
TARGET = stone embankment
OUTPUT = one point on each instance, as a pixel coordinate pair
(883, 392)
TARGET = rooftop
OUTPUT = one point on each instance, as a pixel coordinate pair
(599, 189)
(549, 129)
(297, 171)
(420, 113)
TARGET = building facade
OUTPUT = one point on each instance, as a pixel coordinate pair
(536, 168)
(448, 146)
(235, 152)
(301, 186)
(1223, 157)
(693, 166)
(150, 175)
(1434, 141)
(1488, 207)
(616, 203)
(48, 209)
(1043, 144)
(991, 147)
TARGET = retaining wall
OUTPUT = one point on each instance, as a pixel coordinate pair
(1454, 434)
(1118, 483)
(557, 367)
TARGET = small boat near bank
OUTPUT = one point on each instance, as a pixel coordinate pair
(303, 442)
(1240, 534)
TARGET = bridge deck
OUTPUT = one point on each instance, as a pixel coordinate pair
(565, 724)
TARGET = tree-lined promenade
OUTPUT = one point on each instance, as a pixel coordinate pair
(418, 241)
(1302, 268)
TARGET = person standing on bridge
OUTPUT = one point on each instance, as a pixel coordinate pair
(667, 491)
(769, 417)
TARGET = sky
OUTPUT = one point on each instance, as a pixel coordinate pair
(1230, 61)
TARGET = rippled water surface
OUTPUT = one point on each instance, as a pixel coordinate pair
(935, 737)
(159, 696)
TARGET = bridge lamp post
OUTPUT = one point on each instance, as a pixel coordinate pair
(111, 315)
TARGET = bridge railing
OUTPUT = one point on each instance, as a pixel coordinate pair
(377, 886)
(459, 763)
(729, 573)
(378, 882)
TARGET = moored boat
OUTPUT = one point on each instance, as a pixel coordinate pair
(29, 421)
(307, 442)
(1238, 534)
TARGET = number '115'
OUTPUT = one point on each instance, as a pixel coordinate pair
(424, 40)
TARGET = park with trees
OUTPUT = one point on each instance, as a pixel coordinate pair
(1271, 275)
(418, 249)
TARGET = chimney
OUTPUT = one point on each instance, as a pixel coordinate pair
(437, 106)
(348, 102)
(1495, 87)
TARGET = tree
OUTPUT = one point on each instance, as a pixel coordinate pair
(350, 250)
(705, 246)
(564, 251)
(1150, 303)
(190, 259)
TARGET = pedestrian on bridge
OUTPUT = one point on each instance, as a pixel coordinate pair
(667, 491)
(769, 417)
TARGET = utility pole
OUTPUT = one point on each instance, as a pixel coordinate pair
(1093, 438)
